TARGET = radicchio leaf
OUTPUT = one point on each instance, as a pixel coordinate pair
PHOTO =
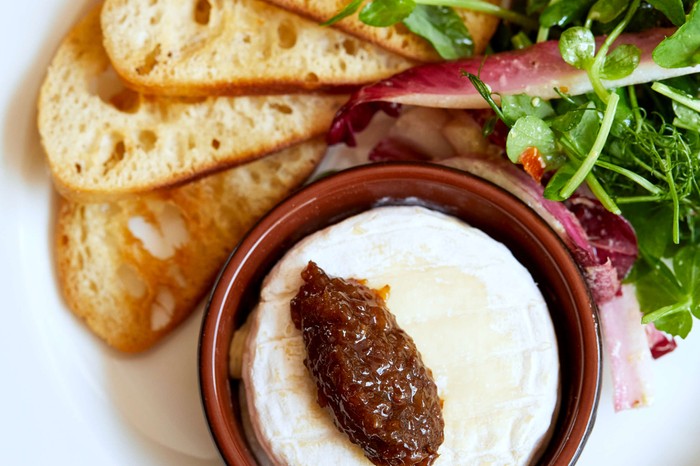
(610, 236)
(659, 343)
(537, 71)
(627, 350)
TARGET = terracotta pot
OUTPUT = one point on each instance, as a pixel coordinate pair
(471, 199)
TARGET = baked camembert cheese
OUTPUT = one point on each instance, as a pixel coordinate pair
(474, 312)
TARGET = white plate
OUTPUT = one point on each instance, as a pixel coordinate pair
(67, 399)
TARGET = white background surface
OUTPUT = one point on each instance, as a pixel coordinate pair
(67, 399)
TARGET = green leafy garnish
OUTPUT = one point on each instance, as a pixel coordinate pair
(443, 28)
(529, 131)
(637, 149)
(520, 105)
(434, 20)
(577, 47)
(606, 11)
(563, 12)
(621, 62)
(673, 294)
(683, 47)
(348, 10)
(673, 9)
(386, 12)
(587, 164)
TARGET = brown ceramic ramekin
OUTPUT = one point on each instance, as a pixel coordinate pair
(471, 199)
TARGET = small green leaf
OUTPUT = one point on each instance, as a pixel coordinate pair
(349, 9)
(607, 10)
(621, 62)
(659, 288)
(582, 135)
(624, 116)
(686, 117)
(520, 105)
(563, 12)
(677, 324)
(558, 180)
(683, 47)
(686, 266)
(673, 9)
(648, 221)
(529, 131)
(577, 47)
(565, 122)
(383, 13)
(443, 28)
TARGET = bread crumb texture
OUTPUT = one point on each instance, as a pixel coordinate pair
(398, 38)
(197, 47)
(135, 268)
(105, 141)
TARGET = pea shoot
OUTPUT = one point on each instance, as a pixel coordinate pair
(637, 148)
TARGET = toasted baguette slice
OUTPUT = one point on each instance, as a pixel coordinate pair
(104, 142)
(397, 38)
(206, 47)
(133, 269)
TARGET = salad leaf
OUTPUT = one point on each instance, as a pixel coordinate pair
(686, 117)
(529, 131)
(657, 287)
(577, 47)
(578, 138)
(562, 13)
(443, 28)
(348, 10)
(673, 9)
(676, 324)
(382, 13)
(434, 20)
(621, 62)
(686, 265)
(595, 151)
(606, 11)
(683, 47)
(673, 294)
(646, 218)
(685, 106)
(520, 105)
(558, 180)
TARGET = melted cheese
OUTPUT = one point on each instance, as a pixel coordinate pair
(474, 312)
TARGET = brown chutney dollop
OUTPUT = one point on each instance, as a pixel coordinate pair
(367, 370)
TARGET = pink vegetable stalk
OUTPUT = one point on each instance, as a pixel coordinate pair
(536, 71)
(627, 349)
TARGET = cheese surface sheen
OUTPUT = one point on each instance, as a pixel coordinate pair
(474, 312)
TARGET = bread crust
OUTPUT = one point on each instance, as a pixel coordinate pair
(132, 294)
(398, 38)
(104, 141)
(239, 47)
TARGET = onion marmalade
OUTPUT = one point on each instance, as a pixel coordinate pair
(367, 370)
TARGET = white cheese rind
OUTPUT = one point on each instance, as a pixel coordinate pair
(474, 312)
